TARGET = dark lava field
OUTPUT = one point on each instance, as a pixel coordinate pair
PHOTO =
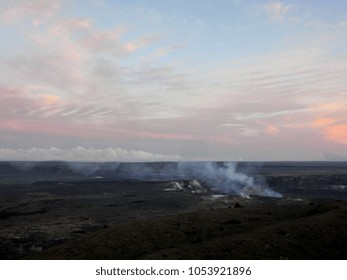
(168, 210)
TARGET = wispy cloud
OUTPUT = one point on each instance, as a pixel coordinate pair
(276, 10)
(38, 11)
(82, 67)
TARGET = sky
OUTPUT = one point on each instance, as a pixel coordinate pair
(102, 80)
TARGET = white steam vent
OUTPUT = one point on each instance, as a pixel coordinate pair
(192, 186)
(224, 178)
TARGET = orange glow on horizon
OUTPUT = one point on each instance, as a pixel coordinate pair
(337, 133)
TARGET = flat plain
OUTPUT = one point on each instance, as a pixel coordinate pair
(54, 210)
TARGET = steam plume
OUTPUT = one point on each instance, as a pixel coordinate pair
(224, 178)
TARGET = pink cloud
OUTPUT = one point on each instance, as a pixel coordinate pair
(50, 99)
(14, 99)
(38, 10)
(331, 129)
(104, 41)
(66, 127)
(323, 122)
(271, 129)
(78, 24)
(336, 133)
(169, 136)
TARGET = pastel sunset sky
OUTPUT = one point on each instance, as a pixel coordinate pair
(104, 80)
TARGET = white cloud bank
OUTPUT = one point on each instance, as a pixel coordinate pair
(82, 154)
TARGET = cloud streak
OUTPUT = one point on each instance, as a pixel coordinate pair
(82, 154)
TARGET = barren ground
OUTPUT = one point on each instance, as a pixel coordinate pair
(75, 218)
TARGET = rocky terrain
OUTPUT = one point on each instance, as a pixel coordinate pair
(59, 211)
(261, 230)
